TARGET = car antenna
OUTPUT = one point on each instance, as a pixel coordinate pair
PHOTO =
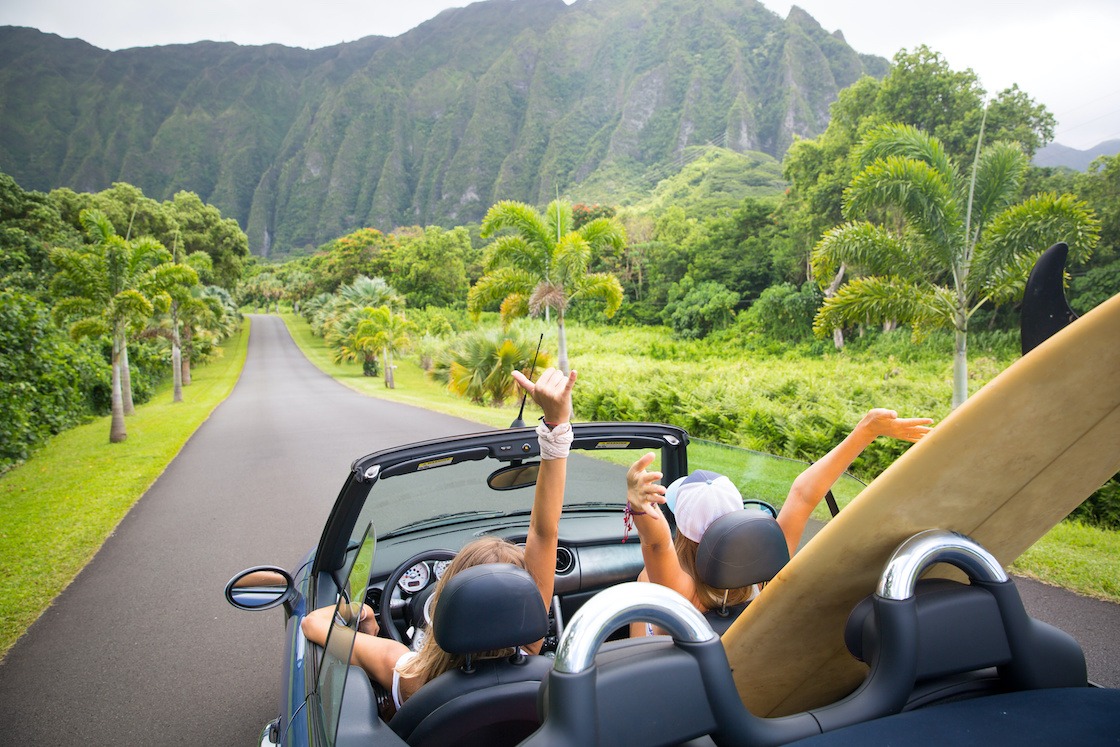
(518, 421)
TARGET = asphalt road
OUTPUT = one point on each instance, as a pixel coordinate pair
(142, 649)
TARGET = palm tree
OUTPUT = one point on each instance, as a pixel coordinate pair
(480, 364)
(946, 244)
(542, 266)
(107, 288)
(388, 331)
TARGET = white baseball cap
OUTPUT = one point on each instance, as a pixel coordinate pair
(700, 498)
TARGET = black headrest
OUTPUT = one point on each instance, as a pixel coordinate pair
(488, 607)
(741, 548)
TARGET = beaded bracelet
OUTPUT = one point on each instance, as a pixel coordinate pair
(628, 515)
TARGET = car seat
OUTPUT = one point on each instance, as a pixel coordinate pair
(739, 549)
(491, 701)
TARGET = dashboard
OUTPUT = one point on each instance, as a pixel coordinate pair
(591, 556)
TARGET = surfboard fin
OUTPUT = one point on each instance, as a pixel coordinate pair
(1045, 309)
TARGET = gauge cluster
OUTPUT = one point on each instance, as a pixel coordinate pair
(419, 576)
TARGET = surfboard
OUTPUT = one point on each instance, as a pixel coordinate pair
(1003, 468)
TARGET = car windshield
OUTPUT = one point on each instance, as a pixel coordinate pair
(452, 492)
(449, 492)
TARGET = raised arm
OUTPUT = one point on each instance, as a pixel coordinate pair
(811, 485)
(553, 393)
(643, 497)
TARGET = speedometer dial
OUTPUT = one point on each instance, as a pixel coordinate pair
(415, 578)
(440, 567)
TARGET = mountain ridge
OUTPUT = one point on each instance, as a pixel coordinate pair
(502, 99)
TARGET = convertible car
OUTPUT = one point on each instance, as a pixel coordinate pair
(945, 661)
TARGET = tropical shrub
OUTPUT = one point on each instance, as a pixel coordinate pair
(47, 382)
(479, 364)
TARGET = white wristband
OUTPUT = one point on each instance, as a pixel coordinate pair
(555, 443)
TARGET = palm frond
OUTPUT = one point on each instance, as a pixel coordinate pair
(495, 286)
(514, 251)
(874, 300)
(573, 254)
(558, 215)
(906, 141)
(999, 176)
(1020, 233)
(522, 218)
(599, 286)
(921, 192)
(602, 233)
(867, 248)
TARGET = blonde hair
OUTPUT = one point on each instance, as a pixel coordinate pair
(708, 596)
(431, 661)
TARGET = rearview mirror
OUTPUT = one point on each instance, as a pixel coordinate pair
(514, 476)
(260, 588)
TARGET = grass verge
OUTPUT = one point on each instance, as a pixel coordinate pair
(1075, 556)
(413, 385)
(57, 509)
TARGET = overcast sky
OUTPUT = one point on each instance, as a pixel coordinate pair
(1063, 53)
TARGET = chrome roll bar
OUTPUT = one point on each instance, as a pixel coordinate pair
(932, 546)
(626, 603)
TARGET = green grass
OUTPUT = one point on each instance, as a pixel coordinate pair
(57, 509)
(792, 387)
(1076, 556)
(413, 385)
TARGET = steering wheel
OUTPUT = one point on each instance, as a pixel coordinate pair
(416, 607)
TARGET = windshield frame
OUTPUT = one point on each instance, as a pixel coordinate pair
(498, 448)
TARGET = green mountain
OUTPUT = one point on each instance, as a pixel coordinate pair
(503, 99)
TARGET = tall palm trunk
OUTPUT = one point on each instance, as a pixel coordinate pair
(562, 345)
(960, 368)
(390, 381)
(188, 350)
(117, 431)
(837, 333)
(126, 378)
(176, 359)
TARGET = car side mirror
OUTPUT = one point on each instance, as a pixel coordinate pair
(260, 588)
(514, 476)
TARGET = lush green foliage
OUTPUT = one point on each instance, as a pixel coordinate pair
(478, 365)
(944, 243)
(94, 283)
(697, 309)
(47, 382)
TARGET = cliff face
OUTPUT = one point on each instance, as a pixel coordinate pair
(504, 99)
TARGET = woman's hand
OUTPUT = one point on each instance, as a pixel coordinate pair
(552, 392)
(642, 490)
(883, 422)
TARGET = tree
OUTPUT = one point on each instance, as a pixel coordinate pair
(430, 269)
(105, 289)
(199, 227)
(385, 331)
(944, 243)
(543, 265)
(480, 364)
(178, 300)
(920, 90)
(1100, 278)
(697, 309)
